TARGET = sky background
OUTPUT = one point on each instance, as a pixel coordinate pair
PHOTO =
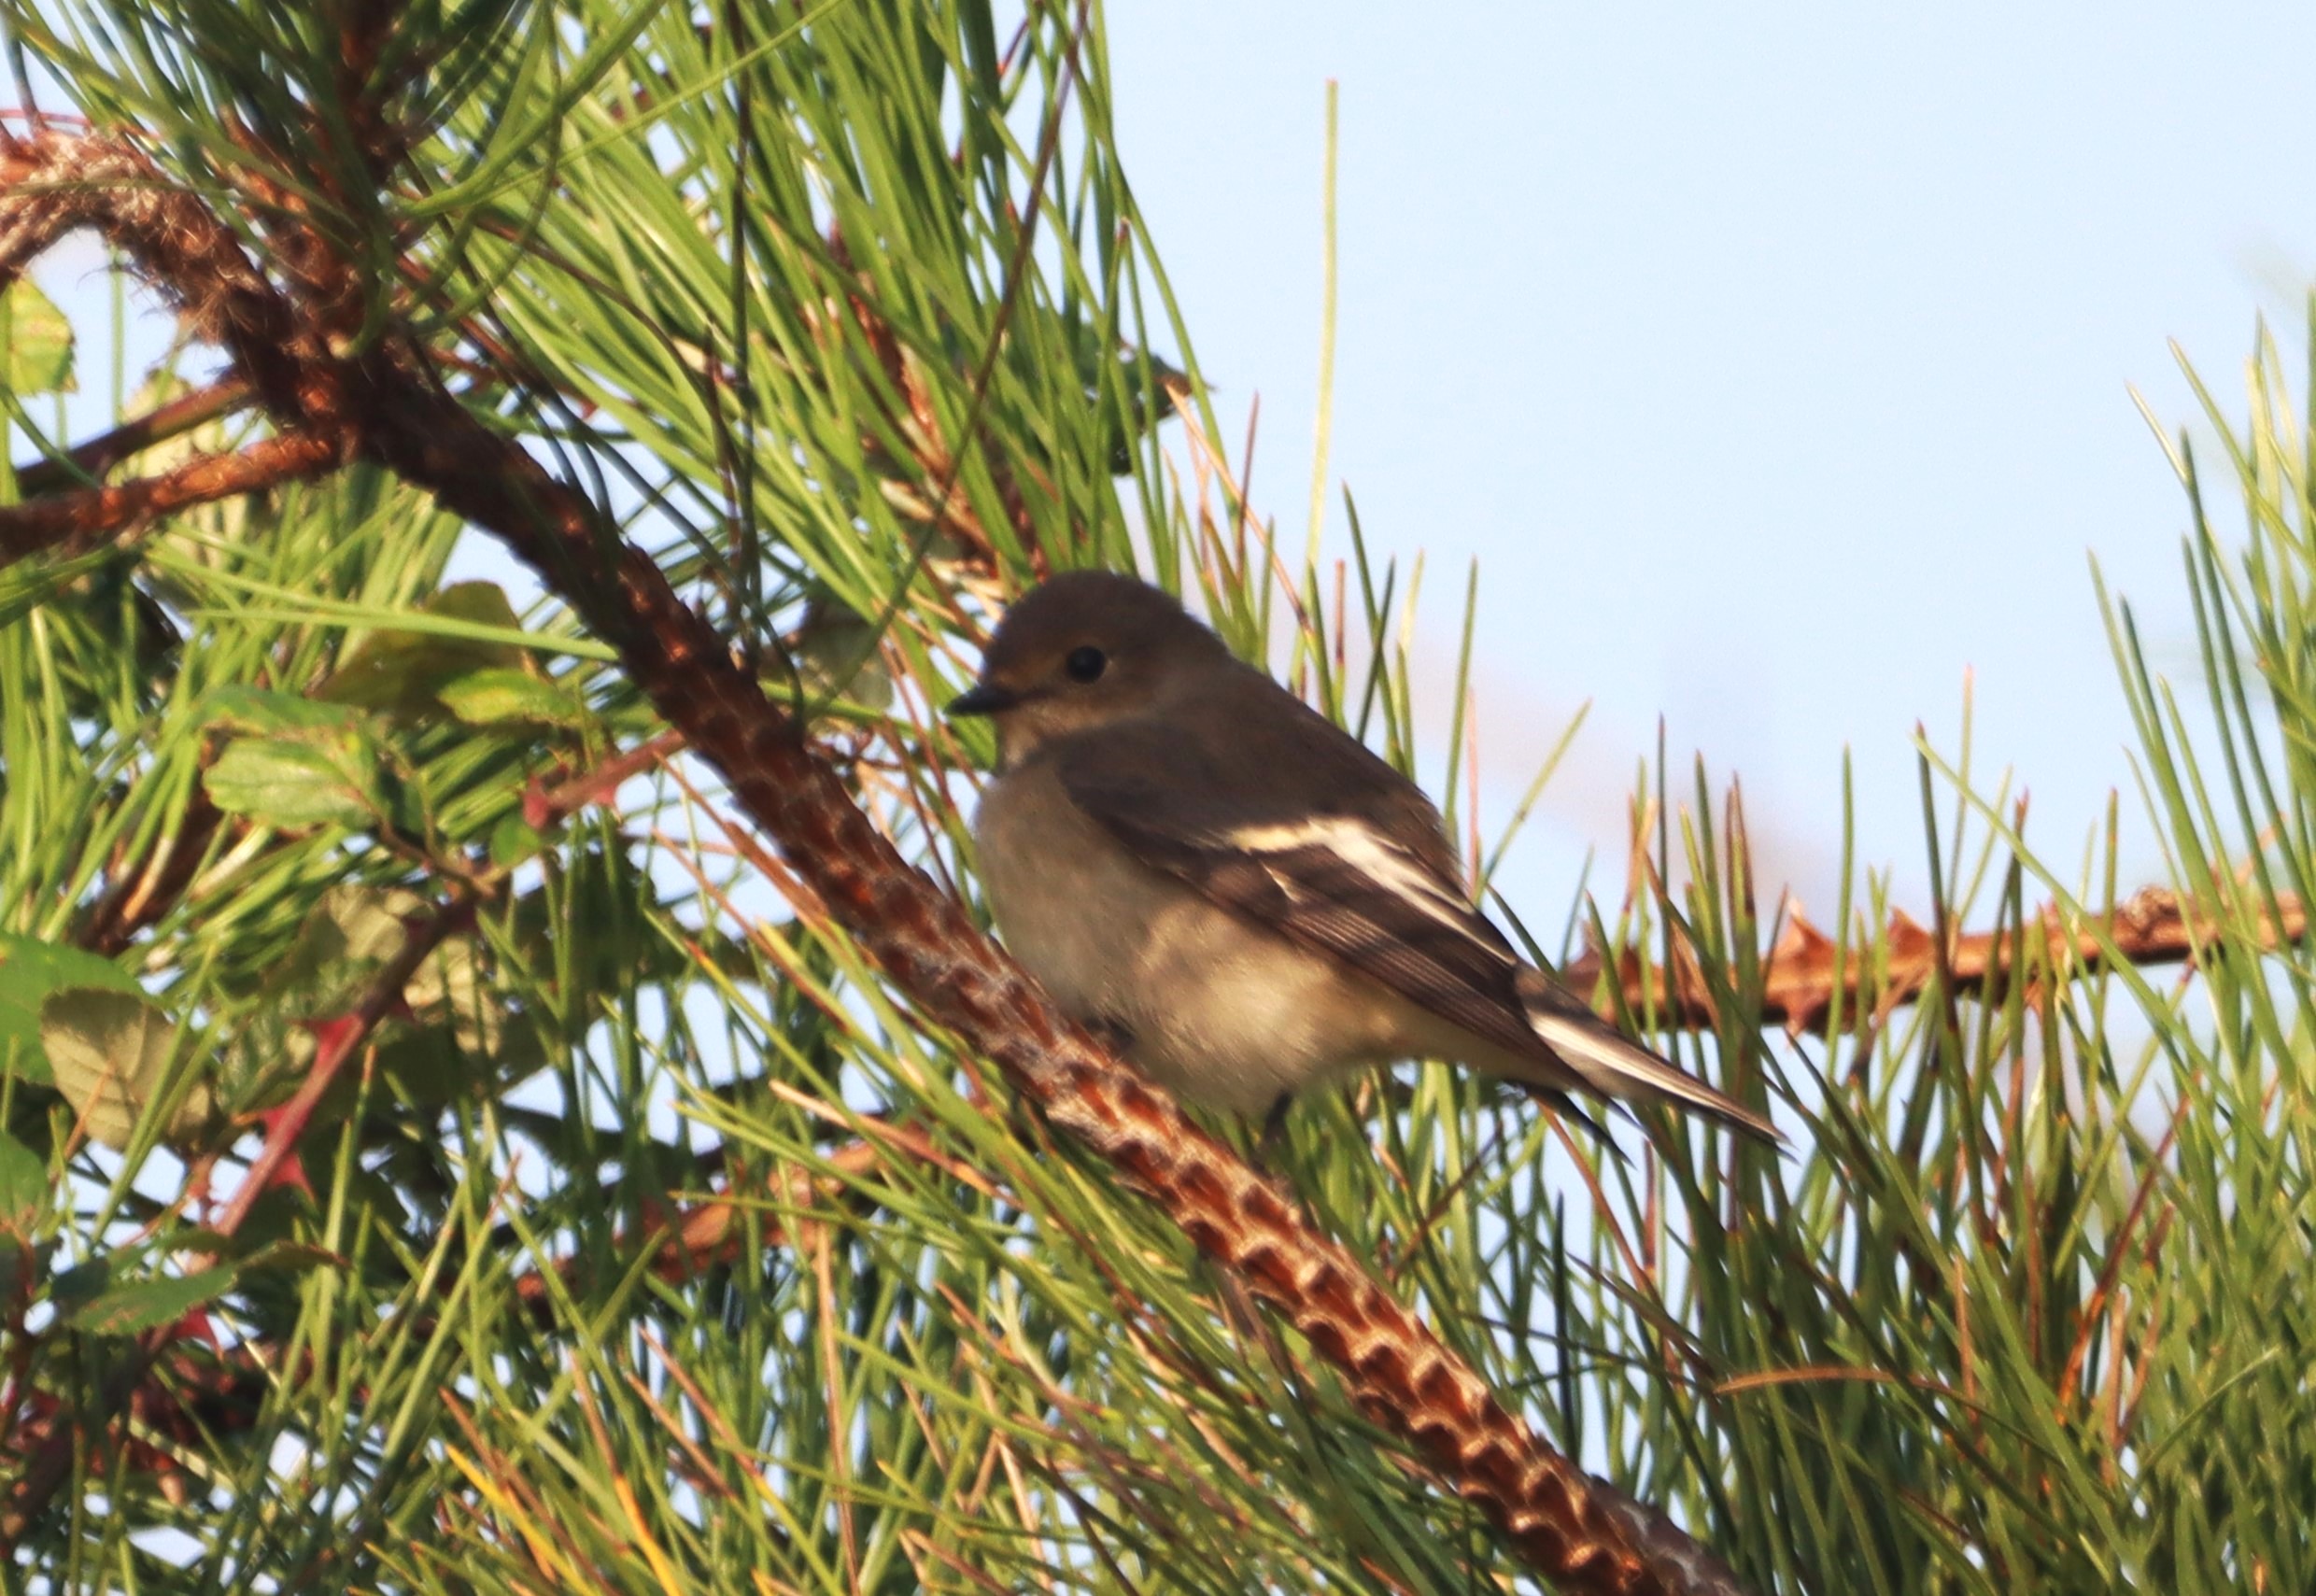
(1775, 363)
(1775, 366)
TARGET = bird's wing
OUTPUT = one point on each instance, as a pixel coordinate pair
(1362, 878)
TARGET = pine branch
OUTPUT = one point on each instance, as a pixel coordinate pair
(69, 523)
(1400, 1373)
(385, 403)
(88, 462)
(1805, 977)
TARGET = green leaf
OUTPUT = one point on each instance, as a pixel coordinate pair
(266, 1256)
(301, 763)
(403, 671)
(30, 970)
(295, 782)
(448, 988)
(290, 1257)
(497, 694)
(350, 933)
(425, 1070)
(454, 1017)
(24, 1187)
(36, 342)
(110, 1052)
(268, 713)
(144, 1304)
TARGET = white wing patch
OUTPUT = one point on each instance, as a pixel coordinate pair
(1361, 848)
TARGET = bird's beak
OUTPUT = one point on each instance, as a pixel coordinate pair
(983, 700)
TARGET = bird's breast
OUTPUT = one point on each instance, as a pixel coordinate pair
(1225, 1013)
(1071, 905)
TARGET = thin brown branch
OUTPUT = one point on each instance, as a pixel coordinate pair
(90, 461)
(139, 896)
(71, 523)
(53, 183)
(1803, 978)
(542, 806)
(341, 1036)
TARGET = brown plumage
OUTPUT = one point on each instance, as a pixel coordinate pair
(1185, 853)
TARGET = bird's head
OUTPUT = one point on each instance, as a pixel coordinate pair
(1081, 650)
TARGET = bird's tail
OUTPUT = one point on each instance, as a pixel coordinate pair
(1615, 1065)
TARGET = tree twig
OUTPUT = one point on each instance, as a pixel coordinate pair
(69, 523)
(143, 893)
(341, 1036)
(100, 454)
(1799, 984)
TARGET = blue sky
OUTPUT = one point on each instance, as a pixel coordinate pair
(1775, 365)
(1775, 362)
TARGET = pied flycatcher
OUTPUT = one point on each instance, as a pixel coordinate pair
(1233, 889)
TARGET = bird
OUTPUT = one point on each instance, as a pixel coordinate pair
(1239, 894)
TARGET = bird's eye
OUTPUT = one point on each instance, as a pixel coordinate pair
(1086, 664)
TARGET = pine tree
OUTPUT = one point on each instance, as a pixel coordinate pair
(504, 1088)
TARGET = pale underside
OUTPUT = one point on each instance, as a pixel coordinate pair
(1223, 1011)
